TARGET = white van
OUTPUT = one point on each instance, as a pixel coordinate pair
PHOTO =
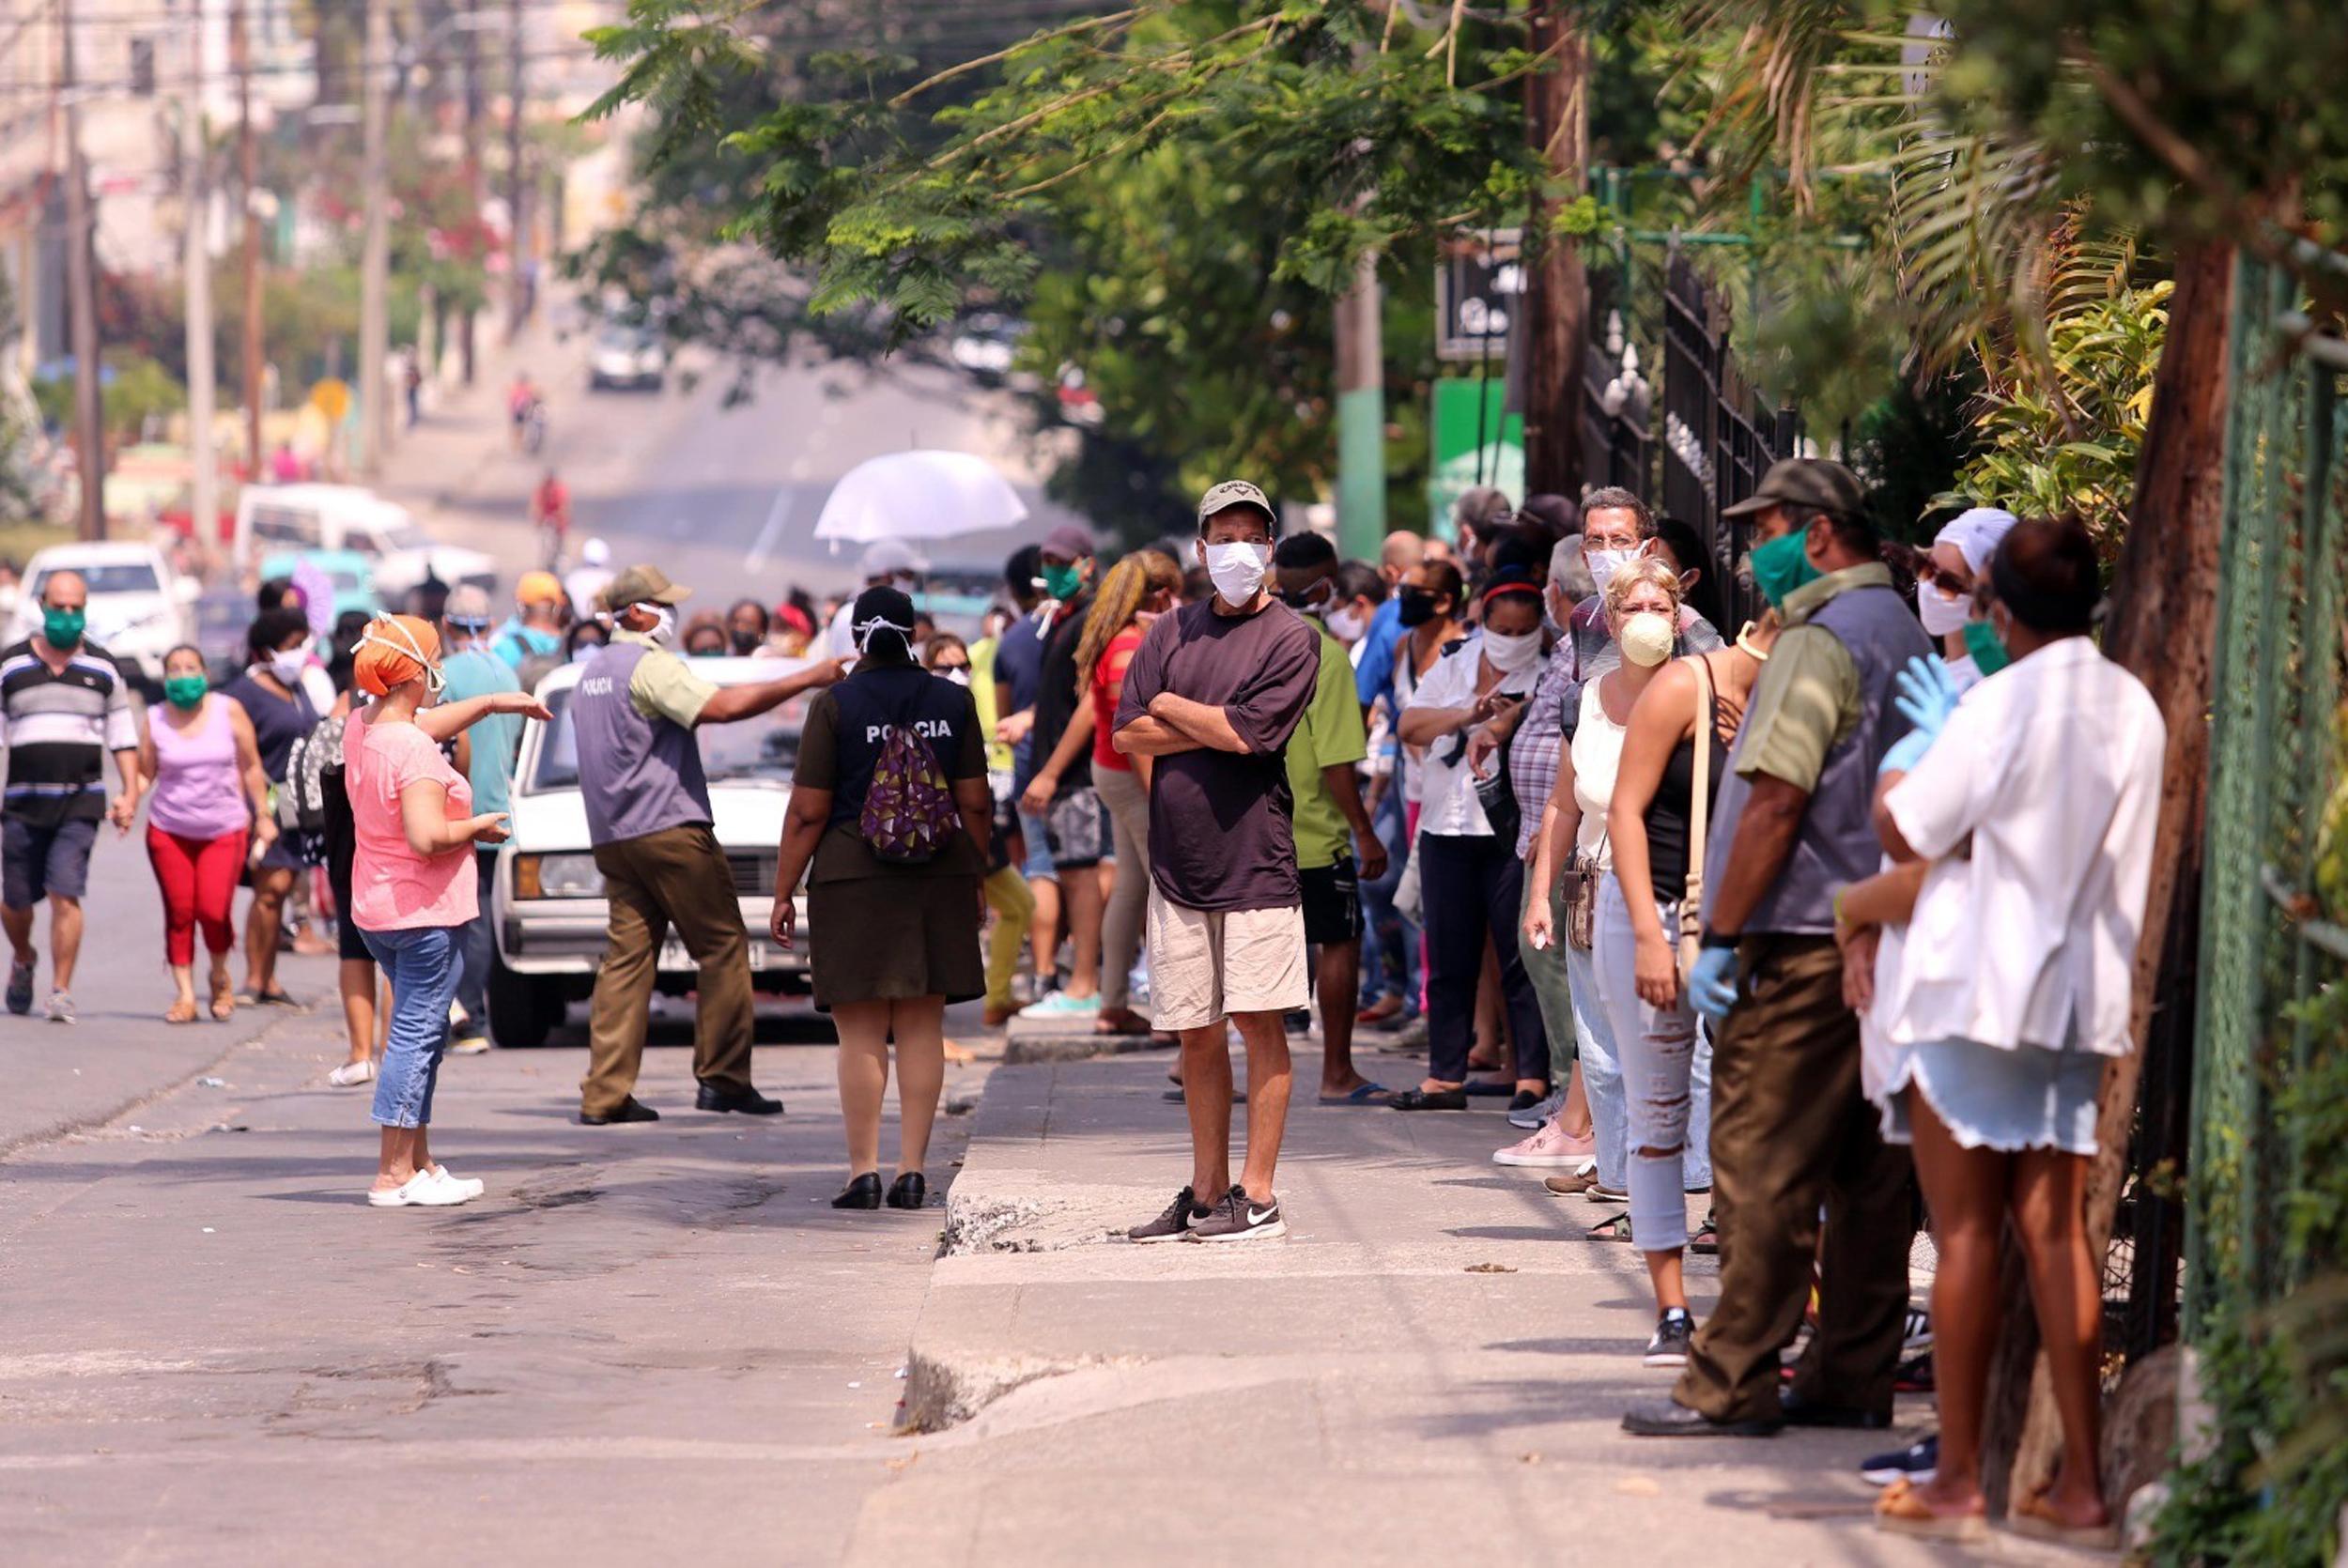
(274, 517)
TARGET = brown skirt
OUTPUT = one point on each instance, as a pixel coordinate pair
(889, 939)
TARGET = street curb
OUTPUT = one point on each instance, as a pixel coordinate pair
(21, 1143)
(1045, 1043)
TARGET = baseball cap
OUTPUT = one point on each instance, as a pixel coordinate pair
(1804, 481)
(538, 588)
(637, 585)
(1068, 541)
(1234, 492)
(888, 557)
(468, 605)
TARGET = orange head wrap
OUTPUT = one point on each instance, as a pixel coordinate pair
(393, 650)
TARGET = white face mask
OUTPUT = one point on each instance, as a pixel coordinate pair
(1509, 654)
(289, 664)
(1646, 639)
(663, 625)
(1237, 571)
(1943, 616)
(1603, 564)
(1346, 624)
(958, 675)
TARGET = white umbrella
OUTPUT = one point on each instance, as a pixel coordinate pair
(919, 494)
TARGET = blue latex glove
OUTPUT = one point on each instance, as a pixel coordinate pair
(1712, 984)
(1906, 753)
(1925, 694)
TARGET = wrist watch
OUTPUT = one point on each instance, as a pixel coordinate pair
(1717, 939)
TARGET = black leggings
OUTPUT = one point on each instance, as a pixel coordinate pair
(1470, 886)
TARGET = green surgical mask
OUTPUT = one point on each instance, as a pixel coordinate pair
(61, 628)
(1987, 647)
(1062, 582)
(185, 691)
(1781, 566)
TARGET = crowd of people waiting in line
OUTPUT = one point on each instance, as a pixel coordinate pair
(1742, 915)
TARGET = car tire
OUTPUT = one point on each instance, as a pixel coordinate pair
(523, 1010)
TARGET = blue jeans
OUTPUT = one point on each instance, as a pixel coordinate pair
(420, 966)
(479, 949)
(1390, 954)
(1601, 1075)
(1667, 1070)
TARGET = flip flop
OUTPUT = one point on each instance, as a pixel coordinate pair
(1901, 1511)
(2034, 1518)
(1361, 1094)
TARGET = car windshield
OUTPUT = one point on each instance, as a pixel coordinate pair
(625, 340)
(404, 534)
(761, 750)
(110, 577)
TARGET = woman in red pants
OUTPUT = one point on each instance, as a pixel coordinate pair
(210, 803)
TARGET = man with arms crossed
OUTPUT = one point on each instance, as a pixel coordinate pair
(1213, 693)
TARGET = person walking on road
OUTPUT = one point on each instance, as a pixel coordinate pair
(412, 883)
(2021, 823)
(1791, 1131)
(63, 707)
(208, 799)
(551, 512)
(1212, 696)
(894, 895)
(274, 697)
(472, 670)
(635, 709)
(1330, 742)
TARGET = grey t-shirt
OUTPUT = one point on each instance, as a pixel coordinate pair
(1220, 832)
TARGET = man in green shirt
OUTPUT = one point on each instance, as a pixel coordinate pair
(1322, 755)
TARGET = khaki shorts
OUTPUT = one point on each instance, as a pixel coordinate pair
(1206, 965)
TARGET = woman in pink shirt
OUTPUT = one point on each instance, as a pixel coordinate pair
(413, 887)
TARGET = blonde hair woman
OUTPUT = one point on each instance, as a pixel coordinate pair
(1136, 593)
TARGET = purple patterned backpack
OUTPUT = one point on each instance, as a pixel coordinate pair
(909, 812)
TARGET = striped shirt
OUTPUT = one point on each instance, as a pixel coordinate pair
(59, 725)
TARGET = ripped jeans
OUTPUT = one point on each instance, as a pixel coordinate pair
(1667, 1081)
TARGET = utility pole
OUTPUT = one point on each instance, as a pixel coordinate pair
(375, 258)
(196, 196)
(1558, 294)
(517, 217)
(474, 96)
(81, 256)
(1361, 417)
(249, 179)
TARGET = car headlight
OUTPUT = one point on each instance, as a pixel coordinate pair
(557, 876)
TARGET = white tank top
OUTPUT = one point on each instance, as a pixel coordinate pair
(1596, 754)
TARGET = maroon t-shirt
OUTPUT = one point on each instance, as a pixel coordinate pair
(1220, 820)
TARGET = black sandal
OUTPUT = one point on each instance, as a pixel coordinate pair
(1429, 1099)
(1707, 1238)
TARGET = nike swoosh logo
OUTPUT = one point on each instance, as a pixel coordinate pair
(1258, 1216)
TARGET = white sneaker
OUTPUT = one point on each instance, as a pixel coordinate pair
(472, 1187)
(351, 1074)
(424, 1190)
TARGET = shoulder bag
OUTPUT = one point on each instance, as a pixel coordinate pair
(1699, 808)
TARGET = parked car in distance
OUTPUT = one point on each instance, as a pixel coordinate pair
(986, 344)
(139, 608)
(629, 357)
(273, 517)
(352, 575)
(546, 902)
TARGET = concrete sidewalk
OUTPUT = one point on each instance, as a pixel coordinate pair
(1430, 1369)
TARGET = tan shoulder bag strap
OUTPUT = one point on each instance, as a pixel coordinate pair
(1699, 808)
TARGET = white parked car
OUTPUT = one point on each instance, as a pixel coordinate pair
(274, 517)
(547, 906)
(628, 357)
(139, 608)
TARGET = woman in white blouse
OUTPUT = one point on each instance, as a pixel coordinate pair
(2021, 820)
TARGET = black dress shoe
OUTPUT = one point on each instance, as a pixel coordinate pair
(1668, 1417)
(629, 1110)
(1804, 1412)
(909, 1191)
(863, 1193)
(1429, 1099)
(744, 1100)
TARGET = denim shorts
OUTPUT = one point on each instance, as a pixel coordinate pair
(1987, 1096)
(43, 862)
(1038, 866)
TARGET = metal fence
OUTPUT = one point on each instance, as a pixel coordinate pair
(2268, 941)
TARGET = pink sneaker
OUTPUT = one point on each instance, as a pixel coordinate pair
(1551, 1147)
